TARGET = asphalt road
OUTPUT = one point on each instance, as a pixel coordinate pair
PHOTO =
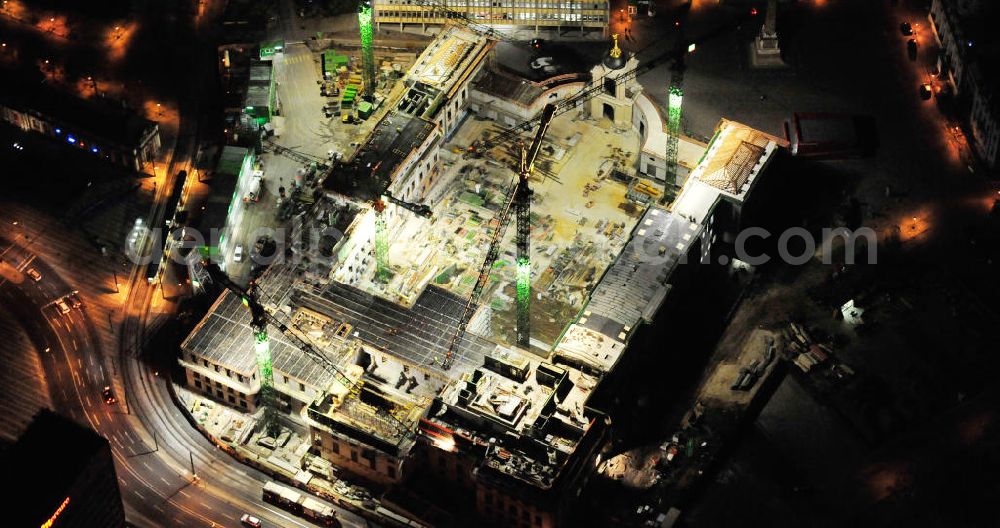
(154, 475)
(153, 444)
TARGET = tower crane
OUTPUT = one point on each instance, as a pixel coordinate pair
(260, 318)
(367, 35)
(517, 201)
(293, 154)
(519, 195)
(672, 55)
(675, 98)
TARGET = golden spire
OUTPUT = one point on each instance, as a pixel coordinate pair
(615, 52)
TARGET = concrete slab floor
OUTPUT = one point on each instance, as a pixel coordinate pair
(578, 225)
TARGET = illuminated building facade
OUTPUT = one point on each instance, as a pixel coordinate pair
(532, 14)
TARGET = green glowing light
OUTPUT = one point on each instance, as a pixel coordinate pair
(367, 52)
(262, 350)
(674, 100)
(523, 294)
(381, 249)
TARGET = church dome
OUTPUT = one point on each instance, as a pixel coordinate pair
(615, 58)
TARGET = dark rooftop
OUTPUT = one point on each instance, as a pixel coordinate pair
(102, 119)
(368, 174)
(44, 463)
(222, 186)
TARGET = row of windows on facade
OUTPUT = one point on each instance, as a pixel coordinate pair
(367, 454)
(30, 123)
(494, 3)
(229, 374)
(241, 377)
(510, 510)
(229, 394)
(430, 15)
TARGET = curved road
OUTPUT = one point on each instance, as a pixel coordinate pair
(153, 444)
(155, 476)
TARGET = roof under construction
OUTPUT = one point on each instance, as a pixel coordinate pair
(225, 337)
(368, 174)
(438, 74)
(631, 291)
(419, 335)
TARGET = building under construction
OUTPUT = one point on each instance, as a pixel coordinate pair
(514, 428)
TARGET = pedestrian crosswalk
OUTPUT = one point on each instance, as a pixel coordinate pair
(297, 59)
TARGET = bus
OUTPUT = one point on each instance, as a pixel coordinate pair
(302, 505)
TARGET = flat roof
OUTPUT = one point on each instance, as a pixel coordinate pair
(104, 119)
(222, 188)
(261, 71)
(46, 461)
(635, 285)
(370, 171)
(231, 161)
(258, 95)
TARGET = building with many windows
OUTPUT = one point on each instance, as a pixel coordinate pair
(105, 129)
(504, 14)
(969, 45)
(228, 185)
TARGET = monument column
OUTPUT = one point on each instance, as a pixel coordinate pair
(764, 51)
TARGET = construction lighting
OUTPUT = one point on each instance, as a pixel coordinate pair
(445, 444)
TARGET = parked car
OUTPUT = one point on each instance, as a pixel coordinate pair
(541, 62)
(109, 396)
(911, 49)
(251, 521)
(33, 273)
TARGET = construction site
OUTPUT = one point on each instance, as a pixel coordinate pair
(460, 285)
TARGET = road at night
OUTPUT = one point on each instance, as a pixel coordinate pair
(156, 481)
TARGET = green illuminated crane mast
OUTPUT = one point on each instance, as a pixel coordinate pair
(381, 243)
(381, 231)
(675, 99)
(522, 204)
(262, 347)
(367, 51)
(518, 200)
